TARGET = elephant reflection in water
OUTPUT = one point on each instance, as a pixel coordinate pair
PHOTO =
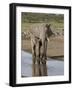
(38, 67)
(39, 39)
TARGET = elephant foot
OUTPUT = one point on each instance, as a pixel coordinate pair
(45, 58)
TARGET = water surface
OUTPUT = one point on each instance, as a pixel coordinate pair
(54, 67)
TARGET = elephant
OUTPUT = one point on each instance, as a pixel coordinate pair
(39, 35)
(39, 39)
(38, 68)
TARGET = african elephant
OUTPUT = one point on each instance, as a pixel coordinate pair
(39, 38)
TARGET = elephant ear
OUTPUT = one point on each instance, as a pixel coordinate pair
(49, 31)
(48, 26)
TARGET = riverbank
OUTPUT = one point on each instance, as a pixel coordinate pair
(55, 47)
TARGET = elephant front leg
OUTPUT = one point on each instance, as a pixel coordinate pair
(42, 54)
(38, 71)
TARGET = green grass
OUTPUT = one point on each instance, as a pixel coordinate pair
(41, 17)
(30, 19)
(54, 25)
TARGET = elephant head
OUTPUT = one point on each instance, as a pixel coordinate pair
(49, 32)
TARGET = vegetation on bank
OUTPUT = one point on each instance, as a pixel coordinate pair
(41, 18)
(29, 19)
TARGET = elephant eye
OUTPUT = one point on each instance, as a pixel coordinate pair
(47, 25)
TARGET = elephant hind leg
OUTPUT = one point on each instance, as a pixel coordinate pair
(33, 61)
(45, 51)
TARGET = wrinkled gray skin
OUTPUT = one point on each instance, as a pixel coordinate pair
(39, 40)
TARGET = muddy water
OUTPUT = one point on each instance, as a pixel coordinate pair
(53, 67)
